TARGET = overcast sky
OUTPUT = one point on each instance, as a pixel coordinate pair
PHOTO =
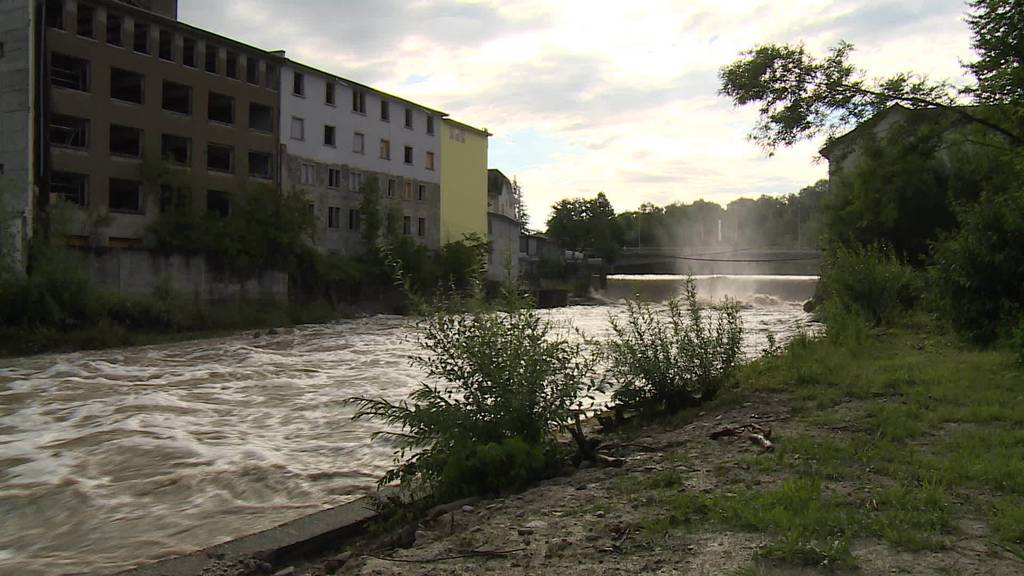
(586, 96)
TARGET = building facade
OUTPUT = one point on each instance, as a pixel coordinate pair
(503, 228)
(463, 181)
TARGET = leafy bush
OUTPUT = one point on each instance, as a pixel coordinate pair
(1017, 343)
(496, 467)
(869, 282)
(677, 358)
(497, 381)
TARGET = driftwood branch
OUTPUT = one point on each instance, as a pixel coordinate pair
(588, 447)
(757, 434)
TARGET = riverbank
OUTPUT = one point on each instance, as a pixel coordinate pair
(902, 453)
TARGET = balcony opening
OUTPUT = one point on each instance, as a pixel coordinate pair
(177, 98)
(218, 203)
(211, 58)
(140, 42)
(261, 165)
(115, 30)
(166, 49)
(176, 149)
(125, 141)
(69, 132)
(221, 108)
(86, 15)
(70, 187)
(220, 158)
(69, 72)
(55, 15)
(252, 70)
(261, 117)
(126, 86)
(232, 64)
(188, 52)
(125, 196)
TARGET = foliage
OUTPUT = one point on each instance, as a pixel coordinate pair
(496, 467)
(676, 359)
(370, 219)
(585, 225)
(870, 282)
(1017, 343)
(997, 26)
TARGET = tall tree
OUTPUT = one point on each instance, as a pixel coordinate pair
(586, 225)
(998, 27)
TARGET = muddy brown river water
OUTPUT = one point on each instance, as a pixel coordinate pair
(112, 458)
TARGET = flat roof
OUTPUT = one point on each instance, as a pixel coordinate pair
(364, 86)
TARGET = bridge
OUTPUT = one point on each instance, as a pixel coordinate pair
(716, 260)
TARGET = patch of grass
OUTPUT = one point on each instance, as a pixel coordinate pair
(911, 517)
(1007, 520)
(796, 550)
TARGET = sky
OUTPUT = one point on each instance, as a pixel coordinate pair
(594, 96)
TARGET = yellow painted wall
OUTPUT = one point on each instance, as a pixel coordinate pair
(463, 182)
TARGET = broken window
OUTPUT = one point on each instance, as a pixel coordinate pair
(408, 154)
(329, 136)
(69, 132)
(125, 196)
(298, 84)
(126, 86)
(261, 165)
(188, 52)
(329, 93)
(86, 14)
(166, 49)
(333, 178)
(125, 141)
(252, 70)
(333, 216)
(115, 26)
(176, 149)
(70, 187)
(177, 98)
(232, 64)
(218, 203)
(140, 43)
(69, 72)
(211, 58)
(221, 108)
(359, 101)
(220, 158)
(261, 117)
(55, 15)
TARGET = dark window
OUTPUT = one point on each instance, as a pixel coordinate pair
(385, 111)
(421, 192)
(358, 101)
(329, 93)
(408, 154)
(408, 118)
(328, 135)
(211, 58)
(188, 52)
(166, 45)
(220, 158)
(333, 178)
(177, 98)
(125, 196)
(232, 64)
(70, 187)
(333, 217)
(353, 219)
(55, 14)
(298, 84)
(140, 43)
(218, 203)
(115, 27)
(176, 199)
(86, 15)
(69, 72)
(125, 141)
(261, 117)
(272, 78)
(421, 227)
(406, 225)
(176, 149)
(126, 86)
(430, 124)
(68, 131)
(252, 70)
(261, 165)
(221, 108)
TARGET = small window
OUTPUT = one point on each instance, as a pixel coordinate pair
(353, 219)
(408, 118)
(391, 187)
(298, 128)
(329, 135)
(430, 124)
(126, 86)
(333, 178)
(359, 143)
(307, 174)
(333, 217)
(220, 158)
(188, 52)
(430, 160)
(385, 111)
(231, 62)
(125, 141)
(177, 98)
(407, 191)
(252, 70)
(359, 101)
(261, 165)
(86, 16)
(166, 46)
(406, 225)
(140, 43)
(385, 149)
(298, 84)
(329, 93)
(55, 14)
(69, 131)
(211, 58)
(115, 29)
(421, 227)
(408, 154)
(176, 149)
(272, 79)
(421, 192)
(355, 181)
(221, 108)
(125, 196)
(70, 187)
(69, 72)
(218, 203)
(261, 118)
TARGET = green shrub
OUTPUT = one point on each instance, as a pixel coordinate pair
(1017, 343)
(496, 467)
(869, 282)
(677, 358)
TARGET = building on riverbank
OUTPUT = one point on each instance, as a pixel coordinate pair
(463, 181)
(503, 228)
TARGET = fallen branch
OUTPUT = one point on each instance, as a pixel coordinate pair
(467, 554)
(756, 434)
(587, 447)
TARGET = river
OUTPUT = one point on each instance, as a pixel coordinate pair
(112, 458)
